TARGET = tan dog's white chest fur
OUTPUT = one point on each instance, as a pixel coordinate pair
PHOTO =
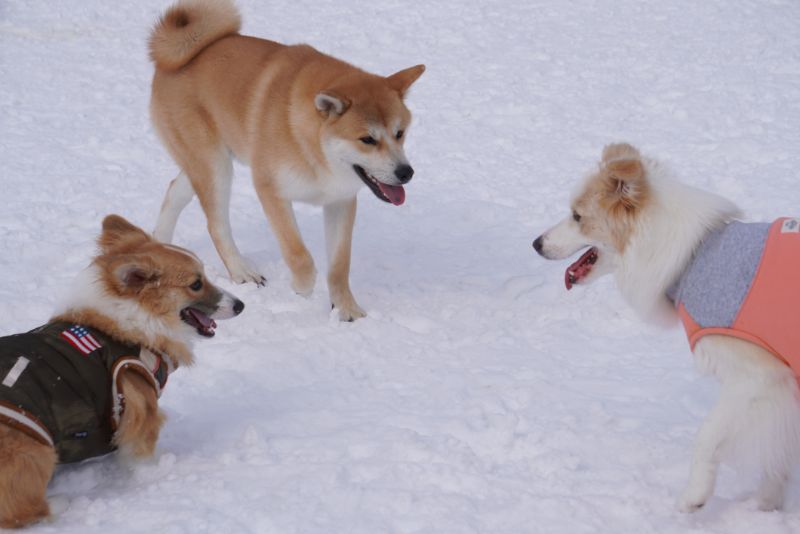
(312, 128)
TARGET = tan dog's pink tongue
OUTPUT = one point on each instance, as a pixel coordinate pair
(395, 193)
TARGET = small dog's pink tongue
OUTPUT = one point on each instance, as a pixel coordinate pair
(395, 193)
(204, 320)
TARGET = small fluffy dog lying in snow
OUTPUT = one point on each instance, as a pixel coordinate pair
(88, 381)
(679, 252)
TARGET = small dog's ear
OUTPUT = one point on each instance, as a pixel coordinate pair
(118, 235)
(626, 186)
(130, 274)
(402, 80)
(328, 102)
(619, 151)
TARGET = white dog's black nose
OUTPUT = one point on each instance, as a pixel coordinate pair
(403, 173)
(238, 306)
(537, 244)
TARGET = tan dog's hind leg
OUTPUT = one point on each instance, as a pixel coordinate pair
(26, 467)
(284, 226)
(211, 182)
(141, 421)
(178, 196)
(339, 220)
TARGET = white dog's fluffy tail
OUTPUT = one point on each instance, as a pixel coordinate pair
(188, 27)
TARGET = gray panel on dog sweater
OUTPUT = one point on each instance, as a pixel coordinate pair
(717, 280)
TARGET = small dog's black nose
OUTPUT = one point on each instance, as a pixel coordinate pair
(238, 306)
(403, 173)
(537, 244)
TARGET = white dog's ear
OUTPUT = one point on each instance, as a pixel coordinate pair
(402, 80)
(328, 102)
(626, 186)
(131, 273)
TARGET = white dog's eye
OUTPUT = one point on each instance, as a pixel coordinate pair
(368, 140)
(576, 216)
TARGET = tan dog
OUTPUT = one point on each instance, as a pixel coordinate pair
(88, 381)
(312, 128)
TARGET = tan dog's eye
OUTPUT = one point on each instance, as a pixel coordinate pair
(197, 285)
(576, 216)
(399, 134)
(368, 140)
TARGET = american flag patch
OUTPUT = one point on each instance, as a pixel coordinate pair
(80, 338)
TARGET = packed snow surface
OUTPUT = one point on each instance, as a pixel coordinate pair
(478, 396)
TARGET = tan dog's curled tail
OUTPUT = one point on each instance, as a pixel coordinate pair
(189, 26)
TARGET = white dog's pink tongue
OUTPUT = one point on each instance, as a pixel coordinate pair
(395, 193)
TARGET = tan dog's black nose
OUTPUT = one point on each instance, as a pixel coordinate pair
(403, 173)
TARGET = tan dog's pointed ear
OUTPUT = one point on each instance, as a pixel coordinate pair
(330, 102)
(118, 234)
(626, 186)
(402, 80)
(619, 151)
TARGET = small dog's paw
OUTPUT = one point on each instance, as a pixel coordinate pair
(242, 272)
(58, 505)
(688, 504)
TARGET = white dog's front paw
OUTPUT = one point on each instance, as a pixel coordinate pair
(242, 272)
(691, 501)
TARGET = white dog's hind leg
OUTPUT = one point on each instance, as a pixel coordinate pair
(775, 428)
(756, 420)
(178, 196)
(771, 492)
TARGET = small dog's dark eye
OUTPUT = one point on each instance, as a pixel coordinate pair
(576, 216)
(399, 134)
(197, 285)
(368, 140)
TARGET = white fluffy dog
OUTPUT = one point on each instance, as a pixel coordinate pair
(675, 251)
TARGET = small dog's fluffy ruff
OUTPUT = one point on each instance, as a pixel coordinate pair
(644, 227)
(138, 292)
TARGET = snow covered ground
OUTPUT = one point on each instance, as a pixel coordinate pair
(478, 396)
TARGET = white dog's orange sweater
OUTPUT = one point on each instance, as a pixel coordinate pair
(761, 283)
